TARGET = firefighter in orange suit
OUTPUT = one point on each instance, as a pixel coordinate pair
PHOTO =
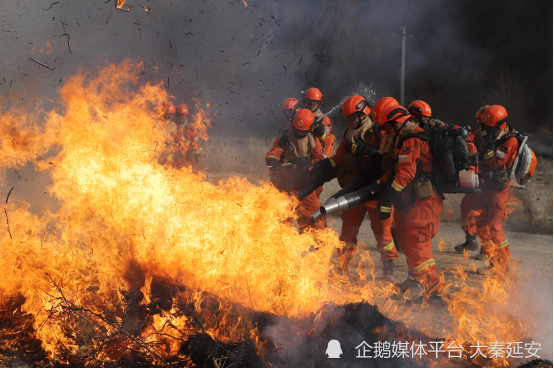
(412, 193)
(381, 105)
(358, 153)
(185, 138)
(299, 150)
(469, 205)
(420, 112)
(289, 107)
(498, 150)
(168, 110)
(322, 130)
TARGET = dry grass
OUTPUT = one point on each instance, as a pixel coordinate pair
(240, 155)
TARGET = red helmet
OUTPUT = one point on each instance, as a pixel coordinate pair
(168, 107)
(355, 104)
(381, 105)
(395, 113)
(418, 108)
(290, 103)
(495, 116)
(303, 120)
(480, 111)
(313, 94)
(183, 109)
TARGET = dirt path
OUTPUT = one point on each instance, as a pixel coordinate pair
(533, 253)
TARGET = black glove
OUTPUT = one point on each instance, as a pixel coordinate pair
(319, 130)
(322, 166)
(358, 147)
(368, 154)
(272, 162)
(384, 206)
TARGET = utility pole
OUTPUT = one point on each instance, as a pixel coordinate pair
(403, 67)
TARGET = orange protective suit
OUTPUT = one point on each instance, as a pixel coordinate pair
(352, 218)
(186, 140)
(493, 198)
(327, 145)
(415, 231)
(285, 149)
(327, 141)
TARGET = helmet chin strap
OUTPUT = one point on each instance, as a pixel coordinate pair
(399, 129)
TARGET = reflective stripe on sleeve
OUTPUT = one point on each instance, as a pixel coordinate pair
(385, 209)
(425, 265)
(332, 163)
(502, 244)
(489, 154)
(397, 187)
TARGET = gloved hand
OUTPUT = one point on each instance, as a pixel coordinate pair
(358, 147)
(273, 163)
(319, 130)
(322, 166)
(384, 206)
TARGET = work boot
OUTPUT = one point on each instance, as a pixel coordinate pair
(415, 287)
(470, 244)
(436, 301)
(388, 270)
(481, 256)
(350, 261)
(335, 264)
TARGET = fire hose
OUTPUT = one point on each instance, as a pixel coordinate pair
(350, 200)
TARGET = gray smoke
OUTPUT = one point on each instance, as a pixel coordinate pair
(244, 58)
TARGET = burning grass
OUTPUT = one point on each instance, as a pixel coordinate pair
(146, 265)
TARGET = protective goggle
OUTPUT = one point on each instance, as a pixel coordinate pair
(392, 114)
(311, 102)
(289, 113)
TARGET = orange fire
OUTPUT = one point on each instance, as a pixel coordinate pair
(513, 202)
(450, 215)
(127, 223)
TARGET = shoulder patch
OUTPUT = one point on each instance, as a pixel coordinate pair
(321, 151)
(504, 148)
(402, 158)
(406, 148)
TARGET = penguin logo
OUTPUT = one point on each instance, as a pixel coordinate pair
(486, 118)
(300, 123)
(333, 350)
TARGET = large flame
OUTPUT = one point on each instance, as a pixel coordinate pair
(125, 219)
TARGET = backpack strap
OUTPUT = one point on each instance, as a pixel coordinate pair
(424, 136)
(283, 141)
